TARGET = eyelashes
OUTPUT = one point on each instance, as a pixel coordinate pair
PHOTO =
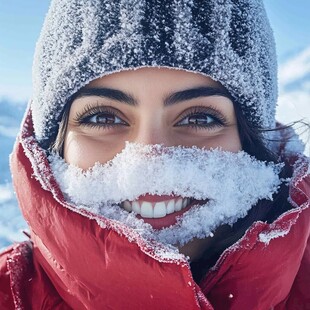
(99, 116)
(106, 117)
(202, 117)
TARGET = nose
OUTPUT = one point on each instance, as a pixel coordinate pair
(152, 136)
(152, 130)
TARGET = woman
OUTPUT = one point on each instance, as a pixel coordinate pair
(133, 165)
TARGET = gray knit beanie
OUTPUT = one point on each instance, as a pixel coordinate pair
(229, 40)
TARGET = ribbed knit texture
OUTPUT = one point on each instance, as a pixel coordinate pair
(81, 40)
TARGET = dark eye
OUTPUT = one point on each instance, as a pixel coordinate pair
(104, 119)
(198, 119)
(201, 117)
(100, 116)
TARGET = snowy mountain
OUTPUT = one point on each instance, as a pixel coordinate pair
(11, 221)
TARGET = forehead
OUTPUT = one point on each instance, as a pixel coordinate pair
(163, 78)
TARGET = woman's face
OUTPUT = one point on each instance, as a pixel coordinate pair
(150, 106)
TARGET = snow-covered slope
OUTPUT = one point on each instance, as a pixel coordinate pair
(11, 221)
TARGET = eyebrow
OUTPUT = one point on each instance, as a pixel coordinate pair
(194, 93)
(172, 99)
(110, 93)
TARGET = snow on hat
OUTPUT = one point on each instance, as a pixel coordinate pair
(231, 41)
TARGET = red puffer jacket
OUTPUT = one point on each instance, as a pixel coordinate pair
(76, 260)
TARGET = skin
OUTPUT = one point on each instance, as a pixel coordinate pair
(149, 120)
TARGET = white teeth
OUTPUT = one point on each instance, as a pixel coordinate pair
(127, 206)
(160, 210)
(136, 207)
(170, 206)
(156, 210)
(178, 204)
(147, 210)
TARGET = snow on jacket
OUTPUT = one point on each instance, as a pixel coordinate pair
(77, 260)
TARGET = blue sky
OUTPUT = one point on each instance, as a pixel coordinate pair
(21, 21)
(291, 25)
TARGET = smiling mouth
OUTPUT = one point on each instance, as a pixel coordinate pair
(148, 209)
(160, 211)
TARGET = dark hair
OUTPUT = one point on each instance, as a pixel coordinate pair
(56, 142)
(254, 143)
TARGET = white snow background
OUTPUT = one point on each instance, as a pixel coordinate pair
(293, 104)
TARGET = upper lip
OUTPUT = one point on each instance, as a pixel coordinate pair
(156, 198)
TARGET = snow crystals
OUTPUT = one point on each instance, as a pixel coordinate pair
(228, 183)
(266, 237)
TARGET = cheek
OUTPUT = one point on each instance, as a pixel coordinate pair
(227, 140)
(84, 151)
